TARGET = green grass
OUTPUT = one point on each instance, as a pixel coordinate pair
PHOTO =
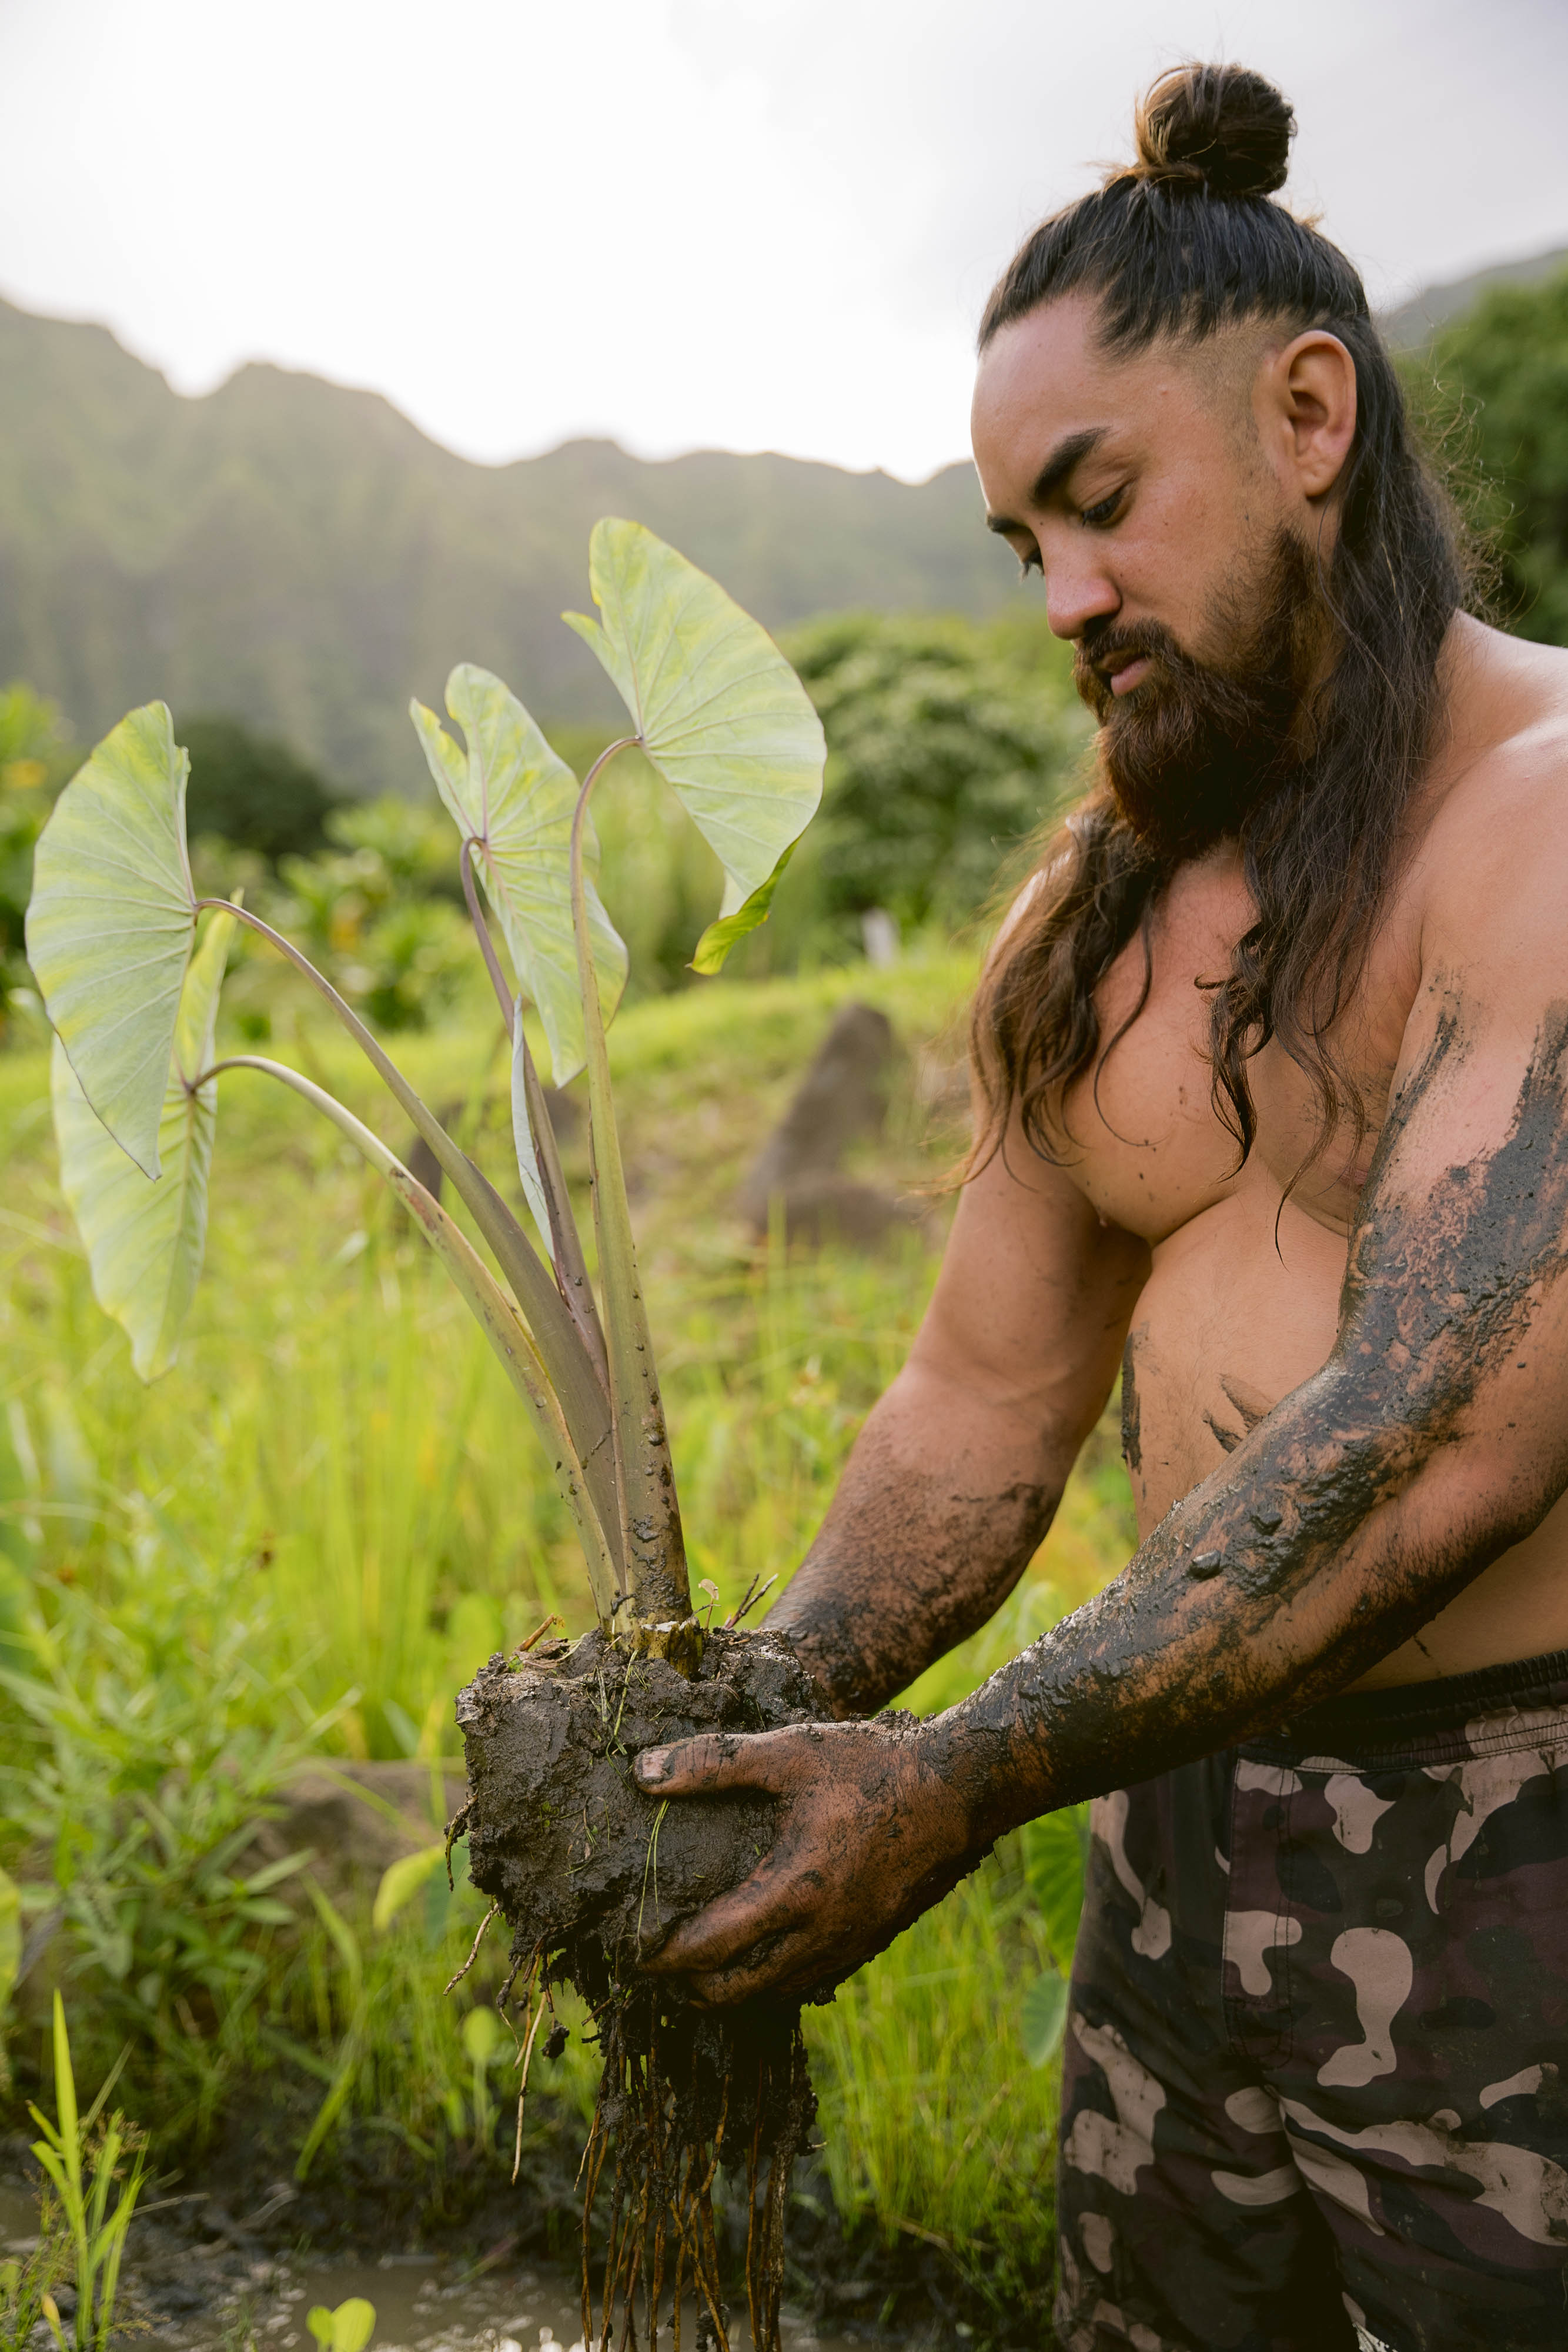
(327, 1516)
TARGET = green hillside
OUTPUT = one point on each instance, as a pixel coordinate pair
(303, 557)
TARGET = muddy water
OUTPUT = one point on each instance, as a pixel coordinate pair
(423, 2304)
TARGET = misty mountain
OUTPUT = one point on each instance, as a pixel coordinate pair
(303, 557)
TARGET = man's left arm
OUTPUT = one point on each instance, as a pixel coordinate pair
(1431, 1441)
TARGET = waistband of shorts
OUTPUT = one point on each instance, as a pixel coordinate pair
(1423, 1723)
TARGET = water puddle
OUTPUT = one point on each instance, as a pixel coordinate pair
(208, 2299)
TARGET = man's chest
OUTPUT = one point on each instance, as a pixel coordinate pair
(1152, 1145)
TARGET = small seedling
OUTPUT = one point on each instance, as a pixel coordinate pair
(83, 2166)
(347, 2329)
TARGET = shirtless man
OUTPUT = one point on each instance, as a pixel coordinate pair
(1272, 1063)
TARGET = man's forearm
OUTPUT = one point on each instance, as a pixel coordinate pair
(943, 1503)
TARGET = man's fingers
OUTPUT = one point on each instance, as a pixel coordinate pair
(788, 1964)
(732, 1924)
(716, 1760)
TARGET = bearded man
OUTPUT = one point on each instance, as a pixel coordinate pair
(1273, 1075)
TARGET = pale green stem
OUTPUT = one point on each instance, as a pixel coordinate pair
(571, 1370)
(495, 1314)
(651, 1519)
(566, 1244)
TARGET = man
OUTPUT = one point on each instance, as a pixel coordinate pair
(1272, 1063)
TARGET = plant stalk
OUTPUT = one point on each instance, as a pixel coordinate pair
(583, 1401)
(497, 1316)
(566, 1243)
(651, 1519)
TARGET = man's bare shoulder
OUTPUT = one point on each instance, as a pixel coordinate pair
(1496, 850)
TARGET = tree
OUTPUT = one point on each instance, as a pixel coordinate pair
(251, 789)
(1501, 387)
(949, 745)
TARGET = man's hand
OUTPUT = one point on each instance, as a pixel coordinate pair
(871, 1833)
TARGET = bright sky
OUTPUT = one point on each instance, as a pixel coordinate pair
(743, 223)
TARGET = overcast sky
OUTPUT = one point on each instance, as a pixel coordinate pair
(744, 224)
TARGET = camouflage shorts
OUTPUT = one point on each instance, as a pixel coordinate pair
(1315, 2082)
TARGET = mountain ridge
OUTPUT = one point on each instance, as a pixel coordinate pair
(303, 555)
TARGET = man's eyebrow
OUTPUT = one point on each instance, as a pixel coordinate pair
(1066, 455)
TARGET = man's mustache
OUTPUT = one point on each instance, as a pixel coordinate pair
(1099, 649)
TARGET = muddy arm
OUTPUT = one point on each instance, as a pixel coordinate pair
(1430, 1442)
(956, 1476)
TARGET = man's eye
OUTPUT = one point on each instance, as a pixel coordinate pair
(1032, 562)
(1098, 516)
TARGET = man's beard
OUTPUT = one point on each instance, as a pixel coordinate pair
(1197, 747)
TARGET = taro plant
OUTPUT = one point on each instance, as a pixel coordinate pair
(590, 1874)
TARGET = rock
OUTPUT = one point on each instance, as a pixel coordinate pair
(843, 1099)
(359, 1818)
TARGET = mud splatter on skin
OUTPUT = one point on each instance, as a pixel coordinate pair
(945, 1560)
(1131, 1415)
(1165, 1665)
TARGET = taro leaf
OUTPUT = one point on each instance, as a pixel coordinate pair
(514, 797)
(144, 1236)
(112, 921)
(1054, 1849)
(717, 709)
(1042, 2018)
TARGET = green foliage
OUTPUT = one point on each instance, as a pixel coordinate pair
(342, 1506)
(933, 2122)
(347, 2329)
(950, 745)
(140, 1758)
(83, 2166)
(513, 798)
(716, 708)
(36, 758)
(1501, 401)
(251, 791)
(377, 911)
(111, 921)
(1056, 1850)
(144, 1241)
(26, 2282)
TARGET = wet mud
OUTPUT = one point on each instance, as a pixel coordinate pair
(592, 1874)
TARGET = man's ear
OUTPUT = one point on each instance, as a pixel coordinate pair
(1307, 398)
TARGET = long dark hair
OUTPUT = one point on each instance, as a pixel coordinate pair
(1183, 243)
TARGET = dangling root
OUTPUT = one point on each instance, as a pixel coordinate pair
(677, 2083)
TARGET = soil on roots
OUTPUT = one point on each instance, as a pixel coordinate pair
(592, 1874)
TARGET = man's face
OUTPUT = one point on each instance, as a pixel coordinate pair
(1136, 485)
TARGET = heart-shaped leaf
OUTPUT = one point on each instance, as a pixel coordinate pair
(145, 1235)
(1042, 2018)
(111, 921)
(514, 797)
(717, 707)
(1053, 1860)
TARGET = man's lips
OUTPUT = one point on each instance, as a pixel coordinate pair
(1126, 671)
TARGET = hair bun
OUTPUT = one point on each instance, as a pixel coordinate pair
(1216, 127)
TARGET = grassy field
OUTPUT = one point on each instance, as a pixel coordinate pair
(307, 1535)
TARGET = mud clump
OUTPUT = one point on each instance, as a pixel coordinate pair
(591, 1873)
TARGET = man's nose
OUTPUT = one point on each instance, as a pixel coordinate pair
(1078, 590)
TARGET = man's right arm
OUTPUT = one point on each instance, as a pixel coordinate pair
(957, 1473)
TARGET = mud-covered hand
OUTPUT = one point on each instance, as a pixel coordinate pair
(872, 1830)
